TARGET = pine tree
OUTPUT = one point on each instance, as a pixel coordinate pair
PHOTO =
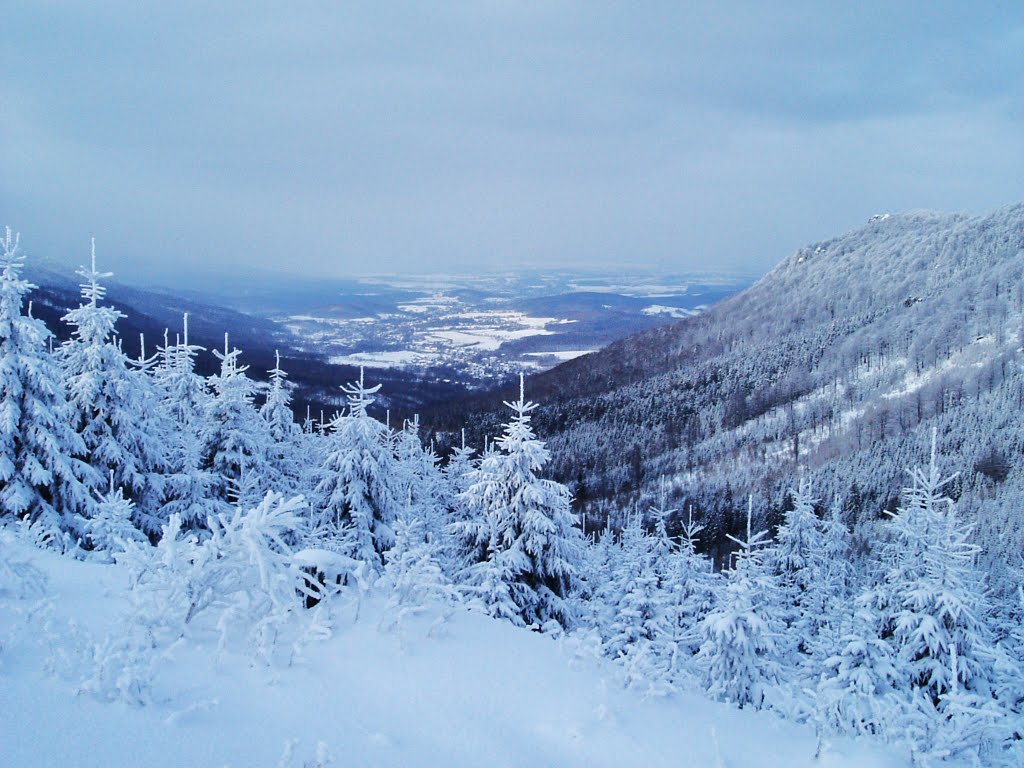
(109, 403)
(283, 457)
(185, 398)
(111, 529)
(418, 478)
(353, 493)
(458, 470)
(636, 600)
(739, 652)
(689, 585)
(234, 438)
(185, 393)
(523, 522)
(829, 600)
(932, 598)
(42, 477)
(413, 574)
(796, 558)
(857, 692)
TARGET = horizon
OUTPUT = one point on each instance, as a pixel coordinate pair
(341, 141)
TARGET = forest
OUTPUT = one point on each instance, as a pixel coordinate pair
(902, 626)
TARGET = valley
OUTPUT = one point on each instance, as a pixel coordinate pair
(480, 329)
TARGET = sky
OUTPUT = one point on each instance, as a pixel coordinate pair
(342, 138)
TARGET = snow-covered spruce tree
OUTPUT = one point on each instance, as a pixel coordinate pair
(353, 496)
(930, 604)
(419, 480)
(42, 477)
(110, 529)
(796, 559)
(458, 470)
(689, 585)
(523, 523)
(110, 404)
(185, 399)
(636, 598)
(235, 440)
(830, 598)
(739, 652)
(284, 452)
(185, 393)
(858, 689)
(932, 597)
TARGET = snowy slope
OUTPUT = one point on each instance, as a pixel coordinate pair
(474, 692)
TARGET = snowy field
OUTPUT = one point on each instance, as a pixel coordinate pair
(471, 692)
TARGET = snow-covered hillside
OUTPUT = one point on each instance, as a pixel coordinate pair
(469, 691)
(838, 363)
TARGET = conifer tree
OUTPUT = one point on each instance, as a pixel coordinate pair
(690, 586)
(234, 437)
(739, 652)
(109, 404)
(796, 558)
(110, 529)
(353, 493)
(932, 599)
(459, 468)
(419, 479)
(524, 523)
(42, 477)
(185, 398)
(283, 456)
(636, 604)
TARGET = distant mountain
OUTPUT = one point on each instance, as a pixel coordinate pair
(836, 365)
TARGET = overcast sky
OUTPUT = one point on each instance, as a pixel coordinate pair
(341, 137)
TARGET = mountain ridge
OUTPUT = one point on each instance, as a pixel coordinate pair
(851, 344)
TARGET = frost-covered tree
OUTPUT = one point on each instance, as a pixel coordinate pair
(234, 438)
(110, 404)
(353, 494)
(739, 652)
(419, 480)
(42, 477)
(690, 586)
(413, 574)
(458, 470)
(932, 598)
(185, 398)
(523, 522)
(826, 605)
(284, 452)
(796, 558)
(110, 529)
(636, 602)
(858, 690)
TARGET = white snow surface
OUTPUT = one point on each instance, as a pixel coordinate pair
(676, 312)
(477, 692)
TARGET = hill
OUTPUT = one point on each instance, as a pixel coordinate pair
(837, 364)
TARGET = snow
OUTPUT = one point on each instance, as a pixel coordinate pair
(388, 359)
(487, 338)
(677, 312)
(561, 354)
(480, 692)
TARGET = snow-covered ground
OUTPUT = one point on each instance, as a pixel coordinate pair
(472, 692)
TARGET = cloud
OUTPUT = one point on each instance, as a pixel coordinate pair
(416, 137)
